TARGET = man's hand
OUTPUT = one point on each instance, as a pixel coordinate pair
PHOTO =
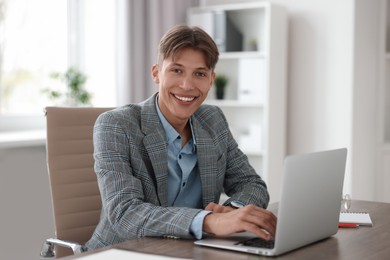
(226, 221)
(216, 208)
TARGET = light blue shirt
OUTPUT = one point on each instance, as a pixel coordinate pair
(185, 189)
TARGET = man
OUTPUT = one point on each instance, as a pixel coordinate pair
(163, 164)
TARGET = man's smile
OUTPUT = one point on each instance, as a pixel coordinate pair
(184, 99)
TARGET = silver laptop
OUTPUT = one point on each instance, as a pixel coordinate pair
(309, 208)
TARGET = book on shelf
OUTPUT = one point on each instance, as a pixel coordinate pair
(219, 25)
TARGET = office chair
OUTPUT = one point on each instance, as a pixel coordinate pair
(75, 194)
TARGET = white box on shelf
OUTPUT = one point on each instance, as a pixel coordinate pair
(251, 142)
(204, 20)
(251, 79)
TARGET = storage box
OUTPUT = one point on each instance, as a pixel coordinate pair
(251, 88)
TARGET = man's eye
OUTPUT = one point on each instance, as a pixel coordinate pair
(176, 70)
(201, 74)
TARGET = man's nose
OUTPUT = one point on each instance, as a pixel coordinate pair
(187, 82)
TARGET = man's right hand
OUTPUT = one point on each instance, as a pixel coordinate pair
(217, 208)
(250, 218)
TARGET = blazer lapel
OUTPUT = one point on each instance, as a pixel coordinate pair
(156, 147)
(207, 162)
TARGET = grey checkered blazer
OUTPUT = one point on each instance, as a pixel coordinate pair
(131, 166)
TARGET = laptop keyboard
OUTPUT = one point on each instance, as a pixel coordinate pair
(258, 242)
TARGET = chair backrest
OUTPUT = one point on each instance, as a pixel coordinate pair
(73, 184)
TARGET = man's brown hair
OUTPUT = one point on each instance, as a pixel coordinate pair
(180, 37)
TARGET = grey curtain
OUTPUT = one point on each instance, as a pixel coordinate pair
(141, 25)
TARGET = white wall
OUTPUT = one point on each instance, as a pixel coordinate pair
(367, 178)
(320, 76)
(26, 213)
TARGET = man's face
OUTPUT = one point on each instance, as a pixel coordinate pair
(183, 84)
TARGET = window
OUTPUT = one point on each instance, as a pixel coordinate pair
(40, 37)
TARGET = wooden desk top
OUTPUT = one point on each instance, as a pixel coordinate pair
(348, 243)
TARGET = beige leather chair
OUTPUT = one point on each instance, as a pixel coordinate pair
(74, 189)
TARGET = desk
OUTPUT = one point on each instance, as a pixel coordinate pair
(348, 243)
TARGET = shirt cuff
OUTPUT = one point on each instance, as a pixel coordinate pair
(197, 224)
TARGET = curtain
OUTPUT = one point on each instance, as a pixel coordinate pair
(141, 23)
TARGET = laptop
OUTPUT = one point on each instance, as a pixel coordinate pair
(308, 210)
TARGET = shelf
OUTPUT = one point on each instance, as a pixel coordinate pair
(253, 153)
(234, 103)
(254, 104)
(243, 55)
(234, 6)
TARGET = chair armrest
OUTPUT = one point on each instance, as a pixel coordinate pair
(48, 247)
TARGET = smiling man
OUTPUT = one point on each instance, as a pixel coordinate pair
(163, 164)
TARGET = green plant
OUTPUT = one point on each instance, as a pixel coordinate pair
(75, 92)
(221, 81)
(253, 44)
(253, 41)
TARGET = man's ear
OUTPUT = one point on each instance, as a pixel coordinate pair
(212, 78)
(155, 73)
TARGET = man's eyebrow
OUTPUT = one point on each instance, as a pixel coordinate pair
(180, 65)
(176, 64)
(202, 68)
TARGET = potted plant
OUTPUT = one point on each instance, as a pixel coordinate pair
(220, 83)
(252, 44)
(75, 93)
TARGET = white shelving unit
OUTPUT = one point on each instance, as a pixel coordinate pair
(255, 98)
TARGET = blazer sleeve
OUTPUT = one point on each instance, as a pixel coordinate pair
(130, 205)
(241, 182)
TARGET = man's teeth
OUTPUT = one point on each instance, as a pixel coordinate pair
(185, 99)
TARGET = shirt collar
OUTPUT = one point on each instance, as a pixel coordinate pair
(170, 131)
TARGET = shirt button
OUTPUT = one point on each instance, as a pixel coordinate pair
(179, 156)
(184, 184)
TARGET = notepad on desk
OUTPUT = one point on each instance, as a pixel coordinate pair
(359, 218)
(120, 254)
